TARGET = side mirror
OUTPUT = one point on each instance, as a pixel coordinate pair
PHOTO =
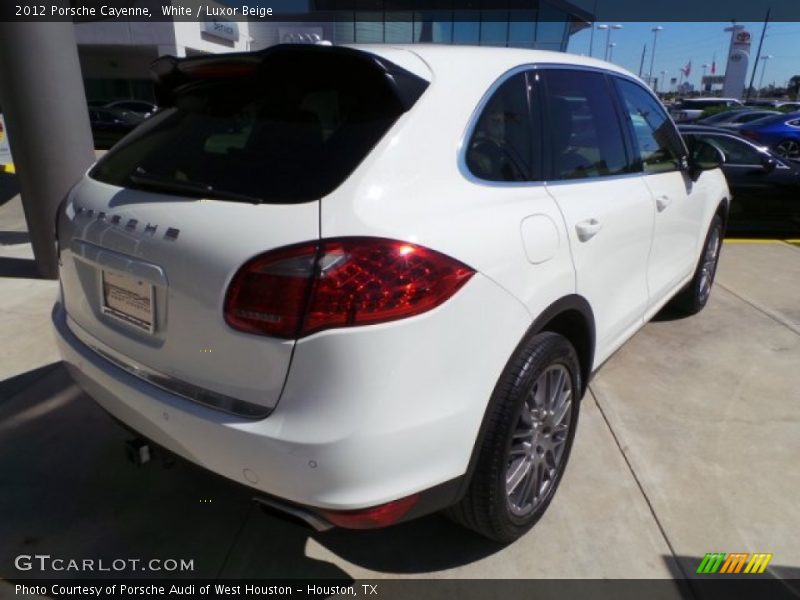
(768, 164)
(703, 157)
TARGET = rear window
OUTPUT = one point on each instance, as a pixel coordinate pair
(291, 132)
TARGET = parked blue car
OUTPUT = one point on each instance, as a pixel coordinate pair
(780, 132)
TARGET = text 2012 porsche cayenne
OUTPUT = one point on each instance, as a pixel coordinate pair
(373, 282)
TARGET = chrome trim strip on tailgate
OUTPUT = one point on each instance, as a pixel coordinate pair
(184, 389)
(187, 390)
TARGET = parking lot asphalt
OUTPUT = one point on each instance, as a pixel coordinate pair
(688, 443)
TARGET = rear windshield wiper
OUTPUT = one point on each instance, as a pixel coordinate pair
(142, 178)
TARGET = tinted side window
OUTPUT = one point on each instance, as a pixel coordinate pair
(586, 136)
(501, 146)
(657, 141)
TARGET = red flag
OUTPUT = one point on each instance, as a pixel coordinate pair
(688, 69)
(713, 66)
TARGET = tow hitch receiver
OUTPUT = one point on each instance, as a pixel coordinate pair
(138, 451)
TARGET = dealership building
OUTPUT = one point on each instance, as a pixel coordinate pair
(115, 56)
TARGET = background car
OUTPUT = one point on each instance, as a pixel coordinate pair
(735, 118)
(691, 109)
(779, 132)
(109, 126)
(765, 186)
(782, 105)
(140, 107)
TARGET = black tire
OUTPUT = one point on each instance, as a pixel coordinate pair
(788, 149)
(487, 507)
(694, 297)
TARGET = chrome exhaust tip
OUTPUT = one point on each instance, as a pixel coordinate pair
(293, 513)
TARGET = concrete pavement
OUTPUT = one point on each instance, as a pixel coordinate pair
(687, 444)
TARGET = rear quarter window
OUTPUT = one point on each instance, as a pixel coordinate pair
(501, 147)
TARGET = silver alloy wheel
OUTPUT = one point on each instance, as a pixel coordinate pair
(789, 149)
(539, 440)
(709, 266)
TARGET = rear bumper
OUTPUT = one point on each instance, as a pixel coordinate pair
(335, 442)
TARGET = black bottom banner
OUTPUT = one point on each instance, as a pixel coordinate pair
(411, 589)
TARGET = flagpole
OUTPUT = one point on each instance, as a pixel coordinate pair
(758, 57)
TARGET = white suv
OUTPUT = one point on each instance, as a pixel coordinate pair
(373, 282)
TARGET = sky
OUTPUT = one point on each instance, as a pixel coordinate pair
(679, 43)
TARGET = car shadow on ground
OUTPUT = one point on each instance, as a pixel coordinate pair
(21, 268)
(669, 313)
(68, 491)
(12, 238)
(425, 545)
(8, 187)
(768, 232)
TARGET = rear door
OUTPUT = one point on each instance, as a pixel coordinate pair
(607, 208)
(236, 167)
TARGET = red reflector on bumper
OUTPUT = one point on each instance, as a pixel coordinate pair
(373, 517)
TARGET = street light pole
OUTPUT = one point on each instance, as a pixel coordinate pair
(758, 55)
(611, 53)
(601, 27)
(765, 58)
(591, 35)
(655, 31)
(608, 39)
(641, 64)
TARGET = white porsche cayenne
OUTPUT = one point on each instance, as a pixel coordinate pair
(373, 282)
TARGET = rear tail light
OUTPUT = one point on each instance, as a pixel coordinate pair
(269, 293)
(299, 290)
(369, 518)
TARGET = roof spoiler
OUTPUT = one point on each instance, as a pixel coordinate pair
(172, 75)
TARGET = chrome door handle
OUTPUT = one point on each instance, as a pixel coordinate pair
(588, 229)
(663, 202)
